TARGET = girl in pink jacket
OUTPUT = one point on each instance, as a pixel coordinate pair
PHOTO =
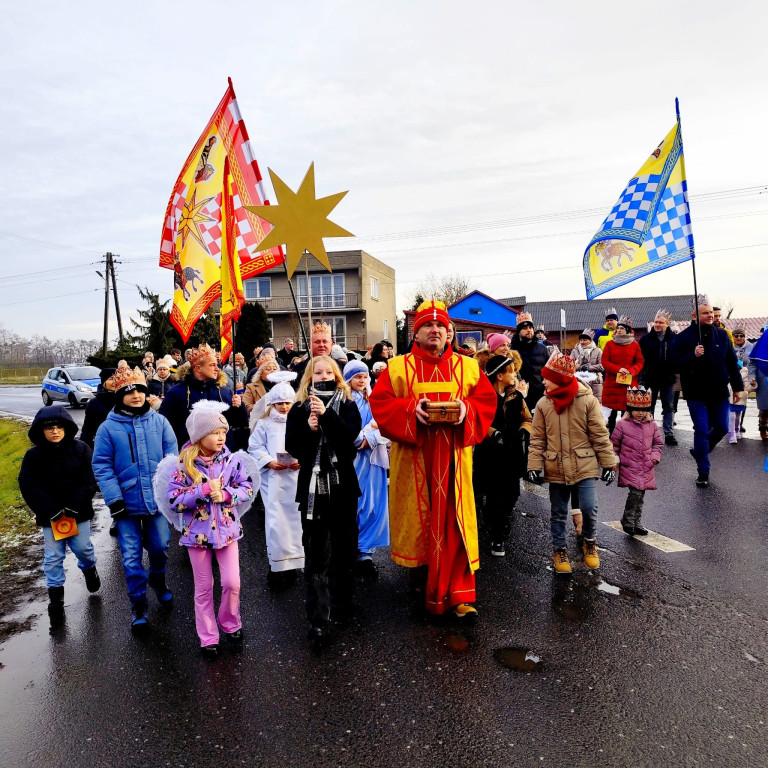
(637, 441)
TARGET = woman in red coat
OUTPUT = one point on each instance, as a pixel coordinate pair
(621, 355)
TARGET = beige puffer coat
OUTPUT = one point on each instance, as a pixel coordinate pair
(571, 446)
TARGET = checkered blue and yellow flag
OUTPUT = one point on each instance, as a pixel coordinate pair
(649, 228)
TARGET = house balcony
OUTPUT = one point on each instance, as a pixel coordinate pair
(323, 302)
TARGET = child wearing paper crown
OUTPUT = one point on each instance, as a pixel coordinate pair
(569, 447)
(208, 491)
(129, 445)
(371, 464)
(321, 430)
(279, 474)
(57, 483)
(637, 440)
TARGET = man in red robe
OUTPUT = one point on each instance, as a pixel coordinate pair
(432, 507)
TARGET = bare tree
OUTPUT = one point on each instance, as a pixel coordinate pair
(446, 288)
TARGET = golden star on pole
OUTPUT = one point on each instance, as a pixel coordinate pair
(299, 220)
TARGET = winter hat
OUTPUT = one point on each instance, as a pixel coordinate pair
(282, 392)
(611, 314)
(378, 367)
(352, 368)
(495, 340)
(126, 380)
(626, 322)
(430, 310)
(106, 373)
(587, 333)
(560, 369)
(163, 363)
(206, 417)
(497, 364)
(337, 353)
(639, 399)
(524, 319)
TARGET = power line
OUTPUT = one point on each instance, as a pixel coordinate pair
(46, 298)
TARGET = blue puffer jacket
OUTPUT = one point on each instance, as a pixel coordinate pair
(125, 456)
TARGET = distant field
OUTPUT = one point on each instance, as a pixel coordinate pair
(26, 375)
(16, 522)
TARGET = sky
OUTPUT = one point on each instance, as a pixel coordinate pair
(487, 140)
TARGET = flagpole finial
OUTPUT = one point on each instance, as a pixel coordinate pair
(677, 108)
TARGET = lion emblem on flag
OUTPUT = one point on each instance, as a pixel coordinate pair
(608, 250)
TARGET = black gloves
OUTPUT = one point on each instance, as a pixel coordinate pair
(497, 437)
(117, 509)
(584, 367)
(608, 475)
(534, 476)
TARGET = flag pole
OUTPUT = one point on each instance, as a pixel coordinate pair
(309, 320)
(693, 253)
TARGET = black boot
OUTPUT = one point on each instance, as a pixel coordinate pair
(164, 595)
(92, 579)
(56, 606)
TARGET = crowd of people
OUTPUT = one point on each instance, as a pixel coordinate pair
(320, 438)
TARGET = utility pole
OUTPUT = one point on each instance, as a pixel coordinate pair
(111, 269)
(106, 303)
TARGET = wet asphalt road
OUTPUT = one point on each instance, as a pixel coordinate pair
(672, 672)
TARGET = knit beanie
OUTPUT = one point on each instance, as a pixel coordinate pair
(498, 364)
(206, 417)
(281, 393)
(495, 340)
(559, 369)
(353, 367)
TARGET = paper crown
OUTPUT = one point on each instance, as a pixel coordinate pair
(125, 377)
(625, 321)
(639, 399)
(559, 369)
(524, 317)
(611, 313)
(702, 300)
(587, 332)
(664, 314)
(196, 355)
(430, 310)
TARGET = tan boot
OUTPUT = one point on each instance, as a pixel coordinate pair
(591, 558)
(578, 520)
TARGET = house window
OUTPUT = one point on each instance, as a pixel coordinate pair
(271, 329)
(327, 291)
(258, 288)
(375, 288)
(338, 329)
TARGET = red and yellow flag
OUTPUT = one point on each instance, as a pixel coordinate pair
(195, 221)
(232, 296)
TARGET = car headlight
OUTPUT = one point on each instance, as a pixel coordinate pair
(83, 388)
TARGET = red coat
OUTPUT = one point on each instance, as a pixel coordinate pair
(614, 358)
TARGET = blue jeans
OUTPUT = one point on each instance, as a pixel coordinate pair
(710, 426)
(135, 533)
(667, 395)
(55, 551)
(559, 495)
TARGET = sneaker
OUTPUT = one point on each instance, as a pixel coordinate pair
(591, 558)
(366, 569)
(732, 440)
(465, 612)
(497, 549)
(670, 440)
(702, 481)
(92, 579)
(139, 621)
(210, 652)
(562, 562)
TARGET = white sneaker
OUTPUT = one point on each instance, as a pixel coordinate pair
(732, 439)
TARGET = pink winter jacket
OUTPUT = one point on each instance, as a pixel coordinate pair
(638, 446)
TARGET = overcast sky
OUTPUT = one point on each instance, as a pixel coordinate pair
(484, 139)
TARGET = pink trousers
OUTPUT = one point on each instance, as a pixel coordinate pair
(229, 610)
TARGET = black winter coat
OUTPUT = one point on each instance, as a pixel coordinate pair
(341, 431)
(706, 378)
(160, 388)
(96, 413)
(535, 357)
(57, 475)
(658, 359)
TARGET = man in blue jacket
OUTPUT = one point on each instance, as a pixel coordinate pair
(704, 355)
(129, 445)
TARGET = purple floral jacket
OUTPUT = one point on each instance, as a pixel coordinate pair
(209, 524)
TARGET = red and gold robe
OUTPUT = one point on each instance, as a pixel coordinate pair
(431, 502)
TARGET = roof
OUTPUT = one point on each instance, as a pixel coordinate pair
(752, 325)
(581, 313)
(477, 307)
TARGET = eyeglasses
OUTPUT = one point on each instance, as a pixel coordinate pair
(738, 336)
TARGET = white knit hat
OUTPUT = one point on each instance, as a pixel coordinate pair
(281, 393)
(206, 417)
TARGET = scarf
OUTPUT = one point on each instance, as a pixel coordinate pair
(624, 341)
(325, 472)
(562, 397)
(129, 410)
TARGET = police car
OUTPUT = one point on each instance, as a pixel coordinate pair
(74, 383)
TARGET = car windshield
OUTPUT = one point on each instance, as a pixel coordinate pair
(86, 372)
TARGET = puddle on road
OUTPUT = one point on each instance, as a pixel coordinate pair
(612, 589)
(457, 642)
(519, 659)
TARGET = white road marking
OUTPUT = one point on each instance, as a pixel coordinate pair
(653, 539)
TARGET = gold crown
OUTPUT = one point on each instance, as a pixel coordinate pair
(125, 376)
(524, 317)
(561, 364)
(639, 399)
(196, 355)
